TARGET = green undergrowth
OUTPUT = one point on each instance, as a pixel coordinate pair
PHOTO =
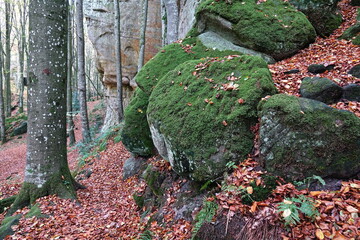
(206, 214)
(15, 120)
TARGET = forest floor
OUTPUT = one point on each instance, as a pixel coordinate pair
(106, 209)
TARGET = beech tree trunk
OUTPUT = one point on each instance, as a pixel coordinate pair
(7, 58)
(47, 170)
(120, 110)
(143, 35)
(172, 20)
(2, 110)
(81, 72)
(70, 120)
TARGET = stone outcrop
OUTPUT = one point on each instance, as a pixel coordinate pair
(301, 137)
(100, 27)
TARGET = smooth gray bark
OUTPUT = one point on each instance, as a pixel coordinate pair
(47, 170)
(120, 110)
(70, 120)
(2, 110)
(172, 23)
(7, 58)
(81, 72)
(142, 36)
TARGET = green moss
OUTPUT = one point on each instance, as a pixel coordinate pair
(136, 134)
(170, 57)
(4, 203)
(192, 108)
(35, 211)
(153, 180)
(356, 40)
(261, 192)
(5, 228)
(272, 27)
(139, 200)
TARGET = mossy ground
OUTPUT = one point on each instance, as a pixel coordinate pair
(272, 27)
(206, 107)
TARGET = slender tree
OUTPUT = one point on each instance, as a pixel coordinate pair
(70, 120)
(120, 110)
(143, 35)
(47, 170)
(81, 72)
(8, 27)
(22, 9)
(2, 110)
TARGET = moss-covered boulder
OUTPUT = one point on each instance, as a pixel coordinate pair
(301, 137)
(200, 114)
(136, 135)
(273, 27)
(323, 14)
(321, 89)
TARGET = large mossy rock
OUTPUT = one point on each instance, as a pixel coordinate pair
(321, 89)
(323, 14)
(200, 114)
(136, 133)
(273, 27)
(301, 137)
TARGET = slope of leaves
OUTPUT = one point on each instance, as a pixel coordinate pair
(342, 53)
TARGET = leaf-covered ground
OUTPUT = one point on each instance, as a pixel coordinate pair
(106, 209)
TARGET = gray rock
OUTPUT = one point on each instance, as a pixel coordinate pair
(355, 71)
(21, 129)
(215, 41)
(352, 92)
(323, 14)
(301, 137)
(133, 166)
(321, 89)
(317, 68)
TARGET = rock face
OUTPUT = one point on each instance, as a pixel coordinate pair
(100, 24)
(200, 114)
(352, 92)
(301, 137)
(355, 71)
(321, 89)
(323, 14)
(272, 27)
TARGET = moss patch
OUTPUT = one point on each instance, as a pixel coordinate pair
(4, 203)
(136, 134)
(273, 27)
(5, 228)
(205, 109)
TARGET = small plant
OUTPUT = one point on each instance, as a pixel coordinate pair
(206, 214)
(146, 235)
(231, 165)
(291, 208)
(307, 181)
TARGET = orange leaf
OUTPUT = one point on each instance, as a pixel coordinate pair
(224, 123)
(253, 207)
(249, 190)
(319, 234)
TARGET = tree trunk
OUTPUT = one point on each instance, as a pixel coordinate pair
(70, 120)
(120, 110)
(47, 170)
(81, 72)
(163, 24)
(7, 59)
(142, 36)
(21, 46)
(2, 110)
(172, 17)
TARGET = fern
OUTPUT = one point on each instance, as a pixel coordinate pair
(307, 181)
(206, 214)
(291, 208)
(146, 235)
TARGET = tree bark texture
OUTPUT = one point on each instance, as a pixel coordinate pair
(47, 170)
(70, 120)
(2, 109)
(81, 72)
(7, 59)
(172, 20)
(143, 34)
(120, 110)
